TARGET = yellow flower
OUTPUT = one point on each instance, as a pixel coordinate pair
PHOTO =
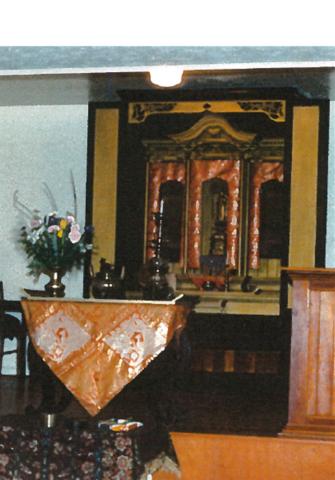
(60, 233)
(63, 223)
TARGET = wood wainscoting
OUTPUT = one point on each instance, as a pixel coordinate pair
(237, 457)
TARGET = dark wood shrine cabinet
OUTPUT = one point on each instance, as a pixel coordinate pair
(234, 172)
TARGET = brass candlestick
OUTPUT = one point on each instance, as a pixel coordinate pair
(157, 287)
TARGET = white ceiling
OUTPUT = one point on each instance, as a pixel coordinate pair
(75, 75)
(118, 59)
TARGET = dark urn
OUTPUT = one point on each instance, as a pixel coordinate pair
(106, 284)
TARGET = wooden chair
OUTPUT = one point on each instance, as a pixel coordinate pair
(12, 328)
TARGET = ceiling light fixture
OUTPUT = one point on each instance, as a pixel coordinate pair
(166, 75)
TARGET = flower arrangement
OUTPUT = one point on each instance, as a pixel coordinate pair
(53, 241)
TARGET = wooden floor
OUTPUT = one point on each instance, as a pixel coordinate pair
(226, 429)
(232, 457)
(207, 404)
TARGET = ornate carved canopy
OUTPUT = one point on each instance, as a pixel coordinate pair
(213, 129)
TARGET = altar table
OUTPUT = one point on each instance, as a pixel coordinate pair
(96, 347)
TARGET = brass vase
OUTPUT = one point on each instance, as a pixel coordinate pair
(55, 287)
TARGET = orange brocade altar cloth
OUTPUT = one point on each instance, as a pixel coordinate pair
(96, 347)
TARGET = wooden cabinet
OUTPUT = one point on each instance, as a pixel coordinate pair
(312, 364)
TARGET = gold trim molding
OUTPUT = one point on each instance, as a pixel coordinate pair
(275, 109)
(138, 112)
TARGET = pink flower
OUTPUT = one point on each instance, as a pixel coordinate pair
(35, 222)
(53, 228)
(75, 234)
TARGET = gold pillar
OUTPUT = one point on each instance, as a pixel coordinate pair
(105, 184)
(304, 186)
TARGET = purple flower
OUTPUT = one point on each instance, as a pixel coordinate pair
(52, 219)
(89, 229)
